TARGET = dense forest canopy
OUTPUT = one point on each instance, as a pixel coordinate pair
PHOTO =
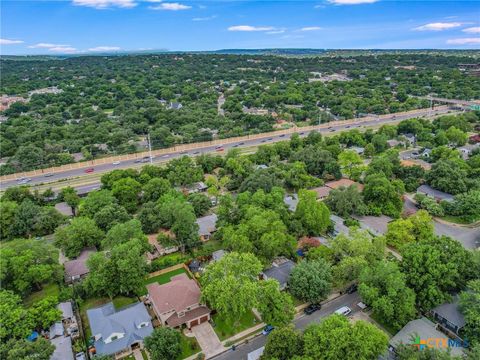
(107, 104)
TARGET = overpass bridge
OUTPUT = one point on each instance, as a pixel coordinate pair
(472, 104)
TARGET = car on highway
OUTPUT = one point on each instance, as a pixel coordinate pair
(218, 146)
(196, 153)
(344, 310)
(89, 170)
(236, 145)
(283, 135)
(24, 181)
(220, 149)
(310, 309)
(347, 127)
(267, 330)
(270, 139)
(263, 141)
(302, 133)
(116, 163)
(137, 161)
(242, 143)
(48, 174)
(332, 130)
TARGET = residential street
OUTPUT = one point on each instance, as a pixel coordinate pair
(301, 323)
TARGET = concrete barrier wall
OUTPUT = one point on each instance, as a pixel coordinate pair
(187, 147)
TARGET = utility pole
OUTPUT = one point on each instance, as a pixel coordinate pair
(149, 148)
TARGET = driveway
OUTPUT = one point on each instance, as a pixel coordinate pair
(207, 339)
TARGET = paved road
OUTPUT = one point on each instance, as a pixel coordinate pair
(42, 179)
(301, 323)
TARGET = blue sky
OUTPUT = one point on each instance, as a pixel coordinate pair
(89, 26)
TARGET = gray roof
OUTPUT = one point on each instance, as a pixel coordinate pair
(63, 348)
(437, 194)
(291, 201)
(64, 209)
(377, 225)
(217, 255)
(280, 272)
(56, 330)
(106, 320)
(207, 224)
(422, 328)
(66, 309)
(78, 267)
(451, 313)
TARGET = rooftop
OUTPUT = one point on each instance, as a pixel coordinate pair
(451, 313)
(207, 224)
(343, 182)
(63, 348)
(280, 272)
(375, 224)
(78, 266)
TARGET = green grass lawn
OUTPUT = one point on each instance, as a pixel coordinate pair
(47, 290)
(189, 346)
(162, 279)
(226, 328)
(118, 302)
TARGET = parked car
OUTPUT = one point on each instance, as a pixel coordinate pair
(309, 310)
(267, 329)
(89, 170)
(351, 289)
(344, 310)
(116, 163)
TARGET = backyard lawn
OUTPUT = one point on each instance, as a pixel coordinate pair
(47, 290)
(189, 346)
(118, 302)
(226, 328)
(163, 279)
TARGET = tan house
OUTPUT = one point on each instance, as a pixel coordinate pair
(177, 303)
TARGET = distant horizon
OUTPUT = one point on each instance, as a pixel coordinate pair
(76, 27)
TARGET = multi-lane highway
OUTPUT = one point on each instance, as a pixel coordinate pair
(241, 352)
(52, 178)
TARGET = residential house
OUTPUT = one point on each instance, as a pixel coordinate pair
(449, 317)
(394, 143)
(358, 149)
(177, 302)
(466, 150)
(322, 192)
(157, 249)
(474, 139)
(417, 332)
(280, 271)
(118, 331)
(63, 348)
(291, 201)
(376, 225)
(207, 226)
(197, 187)
(174, 106)
(411, 139)
(64, 209)
(426, 153)
(55, 330)
(77, 269)
(343, 182)
(68, 318)
(436, 194)
(217, 255)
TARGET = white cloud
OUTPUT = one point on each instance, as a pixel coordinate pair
(351, 2)
(464, 41)
(472, 30)
(104, 4)
(319, 6)
(10, 42)
(250, 28)
(206, 18)
(311, 28)
(439, 26)
(104, 48)
(273, 32)
(171, 7)
(63, 49)
(46, 46)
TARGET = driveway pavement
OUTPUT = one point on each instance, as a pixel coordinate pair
(301, 323)
(207, 339)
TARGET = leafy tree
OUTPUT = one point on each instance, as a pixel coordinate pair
(383, 287)
(383, 194)
(110, 178)
(47, 220)
(27, 264)
(313, 215)
(70, 196)
(456, 136)
(25, 218)
(16, 322)
(155, 188)
(337, 338)
(183, 171)
(434, 267)
(261, 179)
(164, 344)
(283, 344)
(124, 232)
(348, 160)
(416, 227)
(297, 177)
(127, 191)
(429, 204)
(8, 210)
(80, 233)
(319, 162)
(230, 285)
(121, 272)
(409, 352)
(201, 203)
(276, 307)
(148, 216)
(41, 349)
(346, 201)
(448, 176)
(95, 201)
(44, 312)
(311, 280)
(466, 205)
(111, 215)
(470, 306)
